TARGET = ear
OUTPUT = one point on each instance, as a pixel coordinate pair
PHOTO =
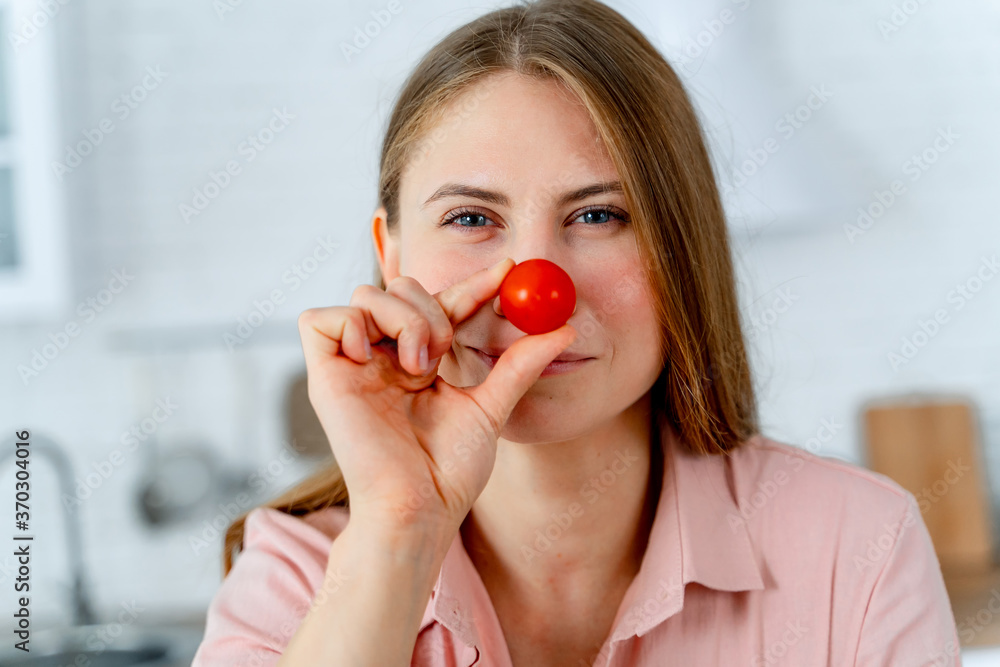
(386, 246)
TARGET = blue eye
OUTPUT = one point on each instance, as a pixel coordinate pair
(605, 215)
(595, 216)
(460, 214)
(598, 212)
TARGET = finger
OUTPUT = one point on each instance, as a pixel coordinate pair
(465, 297)
(322, 330)
(516, 370)
(397, 319)
(354, 342)
(411, 291)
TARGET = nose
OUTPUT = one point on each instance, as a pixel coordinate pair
(499, 311)
(529, 239)
(541, 246)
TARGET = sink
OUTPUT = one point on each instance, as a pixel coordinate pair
(121, 646)
(980, 656)
(109, 658)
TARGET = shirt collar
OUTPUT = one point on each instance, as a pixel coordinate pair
(697, 535)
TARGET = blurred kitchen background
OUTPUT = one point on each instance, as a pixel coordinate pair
(179, 180)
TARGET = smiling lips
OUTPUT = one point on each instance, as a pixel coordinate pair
(565, 356)
(562, 364)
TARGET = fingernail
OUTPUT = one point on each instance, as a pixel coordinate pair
(424, 364)
(368, 348)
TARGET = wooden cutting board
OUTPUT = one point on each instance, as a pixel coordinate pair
(931, 447)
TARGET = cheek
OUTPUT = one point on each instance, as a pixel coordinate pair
(433, 272)
(620, 294)
(435, 267)
(625, 305)
(430, 278)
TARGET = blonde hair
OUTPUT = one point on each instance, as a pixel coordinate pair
(652, 133)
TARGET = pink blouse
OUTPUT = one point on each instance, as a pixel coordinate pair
(770, 556)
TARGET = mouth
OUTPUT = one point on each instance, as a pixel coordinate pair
(564, 363)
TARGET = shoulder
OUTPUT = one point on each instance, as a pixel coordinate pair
(269, 528)
(770, 472)
(282, 552)
(858, 541)
(837, 513)
(269, 589)
(321, 525)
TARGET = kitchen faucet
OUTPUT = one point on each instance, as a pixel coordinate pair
(40, 444)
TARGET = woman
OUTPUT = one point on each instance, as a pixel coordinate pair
(614, 507)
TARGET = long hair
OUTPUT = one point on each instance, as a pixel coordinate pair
(652, 132)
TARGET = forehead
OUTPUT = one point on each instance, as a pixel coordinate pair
(522, 134)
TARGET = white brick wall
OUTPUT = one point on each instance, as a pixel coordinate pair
(819, 360)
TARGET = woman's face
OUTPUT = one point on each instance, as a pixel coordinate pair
(531, 143)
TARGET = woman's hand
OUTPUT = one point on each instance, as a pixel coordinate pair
(413, 449)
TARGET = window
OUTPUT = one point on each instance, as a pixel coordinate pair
(33, 254)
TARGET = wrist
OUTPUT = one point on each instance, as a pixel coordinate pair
(423, 544)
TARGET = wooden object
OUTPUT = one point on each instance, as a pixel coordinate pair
(931, 447)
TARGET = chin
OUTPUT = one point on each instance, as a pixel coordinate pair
(541, 417)
(539, 432)
(550, 411)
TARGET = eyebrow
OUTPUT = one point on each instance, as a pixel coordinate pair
(462, 190)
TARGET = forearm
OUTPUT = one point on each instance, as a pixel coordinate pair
(373, 597)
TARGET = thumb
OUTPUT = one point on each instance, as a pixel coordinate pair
(517, 369)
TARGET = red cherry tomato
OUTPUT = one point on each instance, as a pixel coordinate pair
(537, 296)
